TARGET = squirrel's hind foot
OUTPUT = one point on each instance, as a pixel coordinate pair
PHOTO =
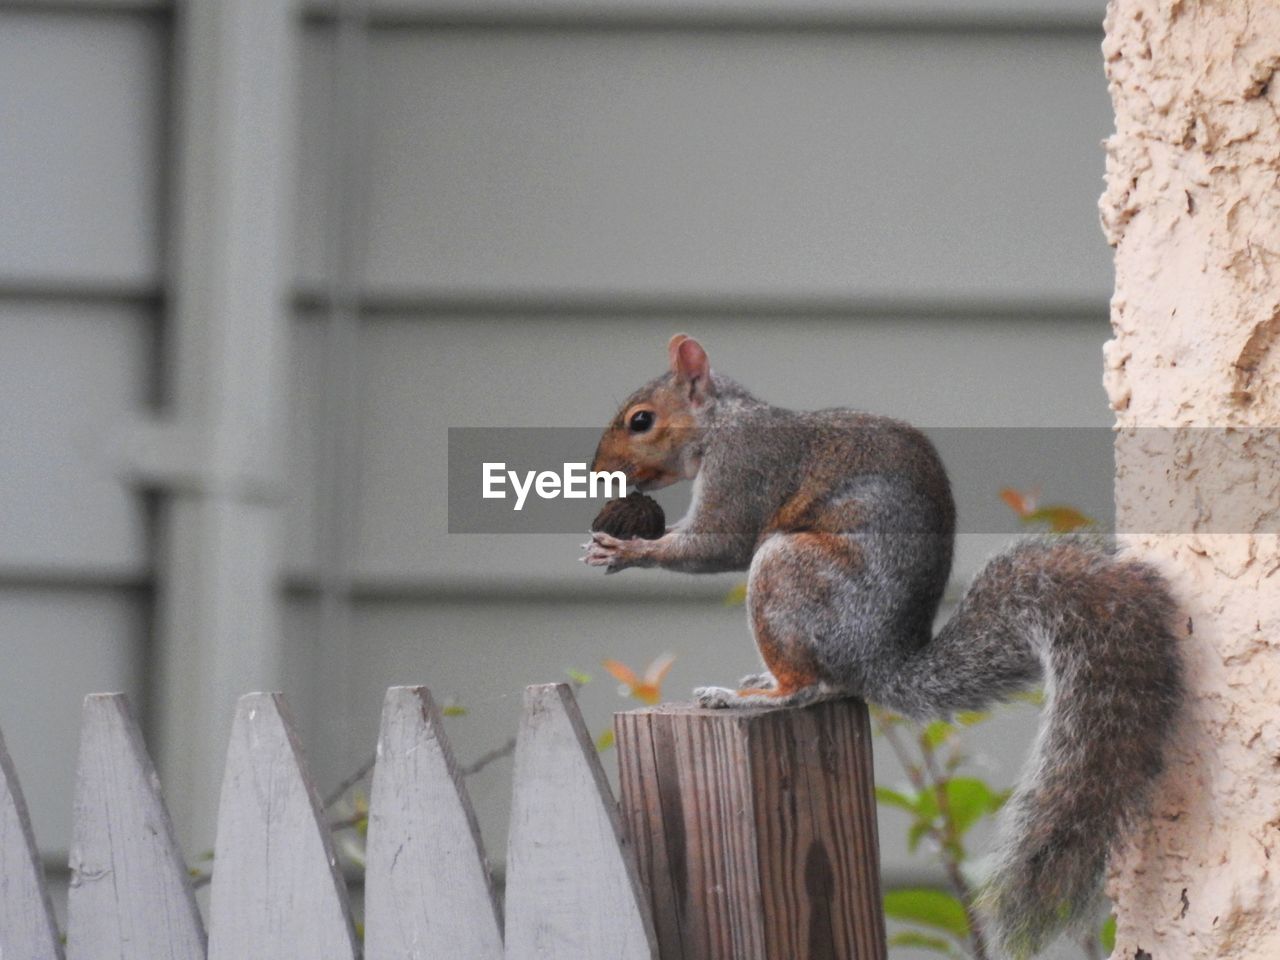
(716, 698)
(719, 698)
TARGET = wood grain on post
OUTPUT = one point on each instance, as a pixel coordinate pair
(755, 830)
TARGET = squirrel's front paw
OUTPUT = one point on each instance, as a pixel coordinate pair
(758, 681)
(604, 550)
(714, 698)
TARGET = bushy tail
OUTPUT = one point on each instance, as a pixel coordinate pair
(1100, 628)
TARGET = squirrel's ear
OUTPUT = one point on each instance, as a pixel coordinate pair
(690, 365)
(673, 349)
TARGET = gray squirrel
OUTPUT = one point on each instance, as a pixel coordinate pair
(845, 523)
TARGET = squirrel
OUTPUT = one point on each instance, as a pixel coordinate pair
(845, 523)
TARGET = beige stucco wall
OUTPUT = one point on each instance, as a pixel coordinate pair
(1192, 206)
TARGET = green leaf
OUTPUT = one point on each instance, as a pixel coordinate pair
(914, 938)
(969, 800)
(1108, 934)
(1033, 697)
(883, 717)
(578, 677)
(916, 833)
(1059, 518)
(933, 908)
(453, 710)
(927, 805)
(895, 798)
(971, 718)
(605, 740)
(936, 733)
(737, 596)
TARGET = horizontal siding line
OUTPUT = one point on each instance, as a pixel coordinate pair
(744, 20)
(72, 580)
(87, 7)
(529, 590)
(786, 18)
(75, 291)
(369, 590)
(558, 304)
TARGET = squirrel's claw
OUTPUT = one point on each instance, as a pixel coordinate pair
(604, 551)
(714, 698)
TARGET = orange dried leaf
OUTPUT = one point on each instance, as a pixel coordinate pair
(647, 690)
(657, 671)
(620, 672)
(1023, 504)
(1061, 519)
(647, 694)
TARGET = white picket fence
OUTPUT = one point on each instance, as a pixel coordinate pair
(571, 886)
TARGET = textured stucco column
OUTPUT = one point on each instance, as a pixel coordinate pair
(1192, 206)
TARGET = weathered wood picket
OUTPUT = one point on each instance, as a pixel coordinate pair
(765, 812)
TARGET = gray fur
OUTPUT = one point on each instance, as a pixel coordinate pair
(1099, 627)
(856, 580)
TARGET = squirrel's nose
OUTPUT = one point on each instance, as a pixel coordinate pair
(605, 461)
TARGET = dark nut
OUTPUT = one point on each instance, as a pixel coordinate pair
(635, 517)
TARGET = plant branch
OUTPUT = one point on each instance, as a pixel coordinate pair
(916, 773)
(349, 823)
(497, 753)
(951, 844)
(340, 791)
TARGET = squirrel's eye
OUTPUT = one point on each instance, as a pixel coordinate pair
(640, 421)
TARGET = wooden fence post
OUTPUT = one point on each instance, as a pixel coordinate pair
(755, 830)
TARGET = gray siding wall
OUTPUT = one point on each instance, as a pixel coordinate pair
(502, 214)
(82, 117)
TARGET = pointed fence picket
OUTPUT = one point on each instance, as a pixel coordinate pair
(573, 887)
(130, 892)
(428, 891)
(573, 892)
(277, 889)
(27, 928)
